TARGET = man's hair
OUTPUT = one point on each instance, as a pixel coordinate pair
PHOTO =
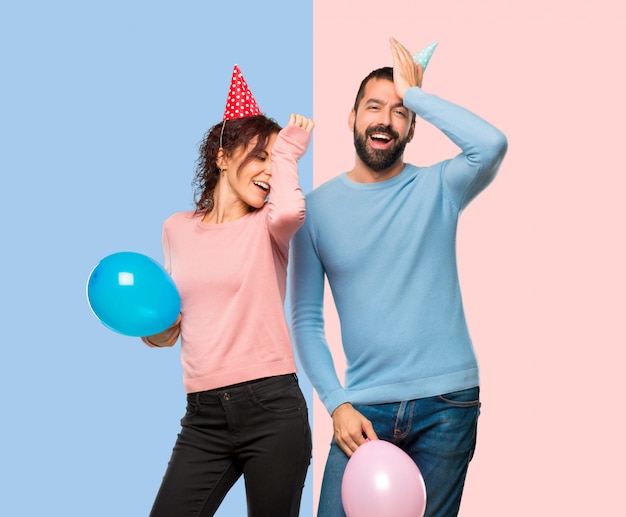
(385, 72)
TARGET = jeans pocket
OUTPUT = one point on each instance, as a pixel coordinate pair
(279, 395)
(192, 407)
(462, 398)
(457, 415)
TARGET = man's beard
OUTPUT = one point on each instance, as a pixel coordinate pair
(379, 159)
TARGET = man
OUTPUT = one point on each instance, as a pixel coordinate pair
(384, 235)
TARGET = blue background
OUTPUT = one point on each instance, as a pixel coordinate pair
(103, 105)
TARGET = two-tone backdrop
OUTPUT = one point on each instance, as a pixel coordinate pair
(102, 106)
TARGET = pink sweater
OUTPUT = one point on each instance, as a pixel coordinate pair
(232, 277)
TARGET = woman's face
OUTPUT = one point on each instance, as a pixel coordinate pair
(250, 183)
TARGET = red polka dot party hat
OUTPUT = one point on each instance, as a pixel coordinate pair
(240, 102)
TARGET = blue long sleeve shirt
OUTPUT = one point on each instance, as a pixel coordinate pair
(388, 250)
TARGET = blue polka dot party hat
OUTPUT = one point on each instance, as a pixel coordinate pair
(423, 56)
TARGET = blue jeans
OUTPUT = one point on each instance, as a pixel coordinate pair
(439, 433)
(258, 429)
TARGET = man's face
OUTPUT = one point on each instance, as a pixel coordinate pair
(382, 126)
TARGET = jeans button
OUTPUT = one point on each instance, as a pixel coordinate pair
(226, 396)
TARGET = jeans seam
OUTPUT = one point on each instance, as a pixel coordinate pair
(401, 435)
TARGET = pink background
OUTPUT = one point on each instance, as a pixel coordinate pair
(541, 251)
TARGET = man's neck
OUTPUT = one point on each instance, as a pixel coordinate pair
(361, 173)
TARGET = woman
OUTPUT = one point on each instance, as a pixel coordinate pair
(245, 411)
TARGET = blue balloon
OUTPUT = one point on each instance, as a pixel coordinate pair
(132, 294)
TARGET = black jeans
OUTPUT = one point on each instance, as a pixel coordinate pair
(259, 429)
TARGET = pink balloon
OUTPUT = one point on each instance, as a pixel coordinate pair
(382, 480)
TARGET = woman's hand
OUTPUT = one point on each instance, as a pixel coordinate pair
(168, 337)
(291, 141)
(301, 121)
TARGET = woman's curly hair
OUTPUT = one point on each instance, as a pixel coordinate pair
(237, 133)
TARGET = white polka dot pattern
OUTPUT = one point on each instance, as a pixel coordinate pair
(240, 102)
(423, 56)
